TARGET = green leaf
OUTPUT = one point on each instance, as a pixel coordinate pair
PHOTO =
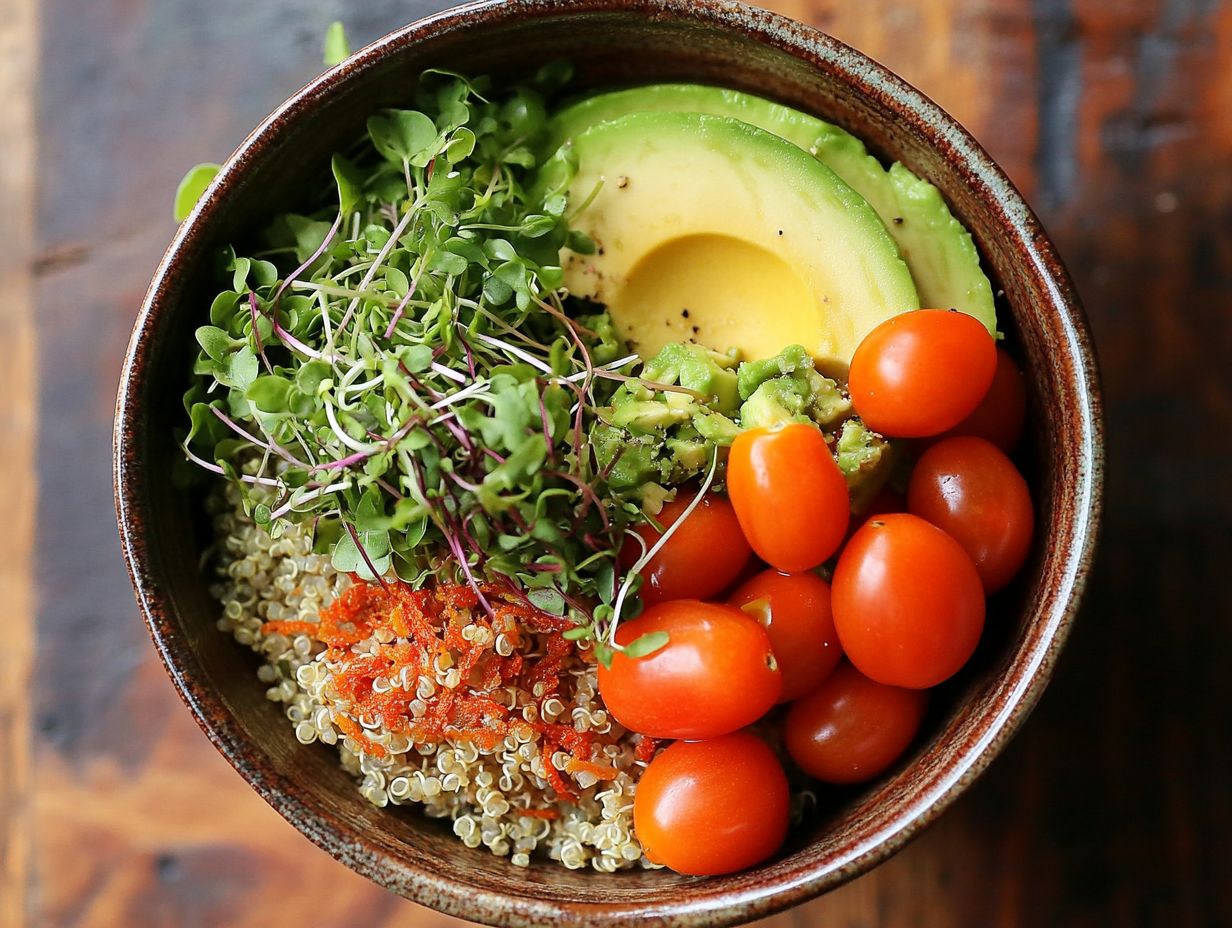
(350, 184)
(548, 600)
(579, 633)
(192, 186)
(346, 558)
(416, 358)
(269, 393)
(402, 135)
(448, 263)
(646, 644)
(214, 342)
(536, 225)
(242, 368)
(605, 581)
(336, 48)
(308, 235)
(460, 145)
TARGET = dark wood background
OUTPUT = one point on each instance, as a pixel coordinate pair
(1112, 808)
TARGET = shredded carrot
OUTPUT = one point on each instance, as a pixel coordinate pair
(352, 728)
(549, 814)
(290, 628)
(429, 631)
(598, 771)
(555, 780)
(645, 750)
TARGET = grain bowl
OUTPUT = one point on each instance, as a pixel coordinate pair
(166, 533)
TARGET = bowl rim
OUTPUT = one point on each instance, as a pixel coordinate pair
(715, 906)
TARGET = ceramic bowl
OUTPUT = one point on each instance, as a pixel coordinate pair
(613, 42)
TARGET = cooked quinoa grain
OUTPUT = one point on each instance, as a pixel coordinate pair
(491, 722)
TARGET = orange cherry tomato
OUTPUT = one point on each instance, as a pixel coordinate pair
(968, 488)
(1001, 414)
(908, 602)
(851, 729)
(710, 807)
(700, 559)
(790, 497)
(795, 611)
(921, 373)
(717, 672)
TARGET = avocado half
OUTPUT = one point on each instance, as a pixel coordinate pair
(937, 248)
(711, 230)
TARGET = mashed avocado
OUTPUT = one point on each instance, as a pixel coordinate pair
(661, 429)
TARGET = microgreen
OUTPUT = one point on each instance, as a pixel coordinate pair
(336, 48)
(191, 187)
(398, 367)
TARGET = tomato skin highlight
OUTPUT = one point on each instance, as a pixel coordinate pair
(789, 495)
(701, 558)
(711, 807)
(1002, 413)
(716, 674)
(921, 373)
(795, 611)
(908, 602)
(968, 488)
(852, 729)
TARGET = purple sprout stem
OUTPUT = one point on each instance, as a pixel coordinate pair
(256, 333)
(215, 469)
(268, 446)
(293, 342)
(294, 275)
(401, 308)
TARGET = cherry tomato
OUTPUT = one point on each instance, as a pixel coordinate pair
(851, 728)
(968, 488)
(908, 602)
(717, 672)
(700, 559)
(1001, 414)
(711, 807)
(790, 497)
(795, 611)
(921, 373)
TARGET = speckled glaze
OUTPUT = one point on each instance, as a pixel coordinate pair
(613, 42)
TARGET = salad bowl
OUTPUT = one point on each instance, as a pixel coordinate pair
(615, 43)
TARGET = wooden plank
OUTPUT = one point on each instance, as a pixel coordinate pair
(18, 65)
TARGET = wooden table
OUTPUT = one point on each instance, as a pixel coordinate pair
(1114, 805)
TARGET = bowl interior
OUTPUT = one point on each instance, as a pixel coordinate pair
(611, 44)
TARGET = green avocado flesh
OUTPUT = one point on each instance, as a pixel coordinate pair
(938, 250)
(711, 230)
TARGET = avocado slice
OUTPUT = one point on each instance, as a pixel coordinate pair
(937, 248)
(710, 230)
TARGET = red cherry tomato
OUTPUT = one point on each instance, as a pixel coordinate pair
(795, 611)
(851, 729)
(790, 497)
(710, 807)
(1003, 411)
(908, 602)
(700, 559)
(921, 373)
(968, 488)
(717, 672)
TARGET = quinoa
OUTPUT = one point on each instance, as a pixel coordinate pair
(519, 791)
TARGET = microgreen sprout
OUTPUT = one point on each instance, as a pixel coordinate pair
(399, 369)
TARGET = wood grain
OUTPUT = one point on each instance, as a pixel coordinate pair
(18, 51)
(1111, 808)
